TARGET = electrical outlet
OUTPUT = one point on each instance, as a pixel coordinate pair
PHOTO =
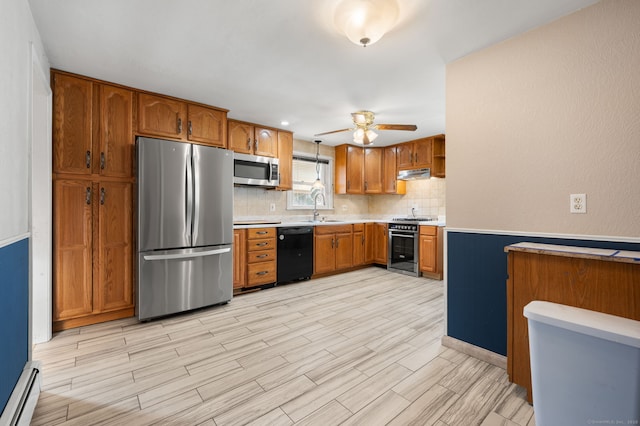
(578, 203)
(272, 207)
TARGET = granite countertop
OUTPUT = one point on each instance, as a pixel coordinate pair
(266, 223)
(580, 252)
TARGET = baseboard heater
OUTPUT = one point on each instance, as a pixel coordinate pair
(24, 397)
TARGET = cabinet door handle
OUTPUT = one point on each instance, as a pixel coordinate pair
(348, 184)
(337, 242)
(262, 256)
(179, 125)
(255, 145)
(262, 232)
(332, 242)
(363, 240)
(87, 159)
(190, 128)
(394, 186)
(102, 194)
(102, 160)
(366, 186)
(262, 273)
(249, 143)
(416, 157)
(88, 195)
(261, 244)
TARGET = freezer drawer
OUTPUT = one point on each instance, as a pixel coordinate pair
(172, 281)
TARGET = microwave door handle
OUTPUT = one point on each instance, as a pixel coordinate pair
(270, 171)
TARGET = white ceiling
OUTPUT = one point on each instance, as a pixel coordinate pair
(268, 61)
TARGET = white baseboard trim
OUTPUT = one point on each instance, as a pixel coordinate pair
(23, 399)
(475, 351)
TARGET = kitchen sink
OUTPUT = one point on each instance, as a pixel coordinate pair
(325, 221)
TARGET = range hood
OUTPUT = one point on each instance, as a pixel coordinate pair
(414, 174)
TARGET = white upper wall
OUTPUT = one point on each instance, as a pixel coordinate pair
(549, 113)
(17, 34)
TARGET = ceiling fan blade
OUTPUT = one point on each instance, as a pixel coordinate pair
(333, 131)
(410, 127)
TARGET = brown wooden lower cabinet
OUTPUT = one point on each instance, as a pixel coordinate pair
(359, 244)
(333, 248)
(430, 251)
(93, 251)
(598, 283)
(239, 258)
(380, 243)
(368, 242)
(255, 257)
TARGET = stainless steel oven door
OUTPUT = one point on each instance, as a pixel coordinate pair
(403, 252)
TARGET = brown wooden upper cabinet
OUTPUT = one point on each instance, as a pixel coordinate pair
(349, 169)
(373, 170)
(248, 138)
(92, 127)
(414, 154)
(366, 171)
(390, 172)
(423, 153)
(285, 155)
(171, 118)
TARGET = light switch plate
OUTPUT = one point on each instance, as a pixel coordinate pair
(578, 203)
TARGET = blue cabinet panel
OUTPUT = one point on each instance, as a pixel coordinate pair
(477, 284)
(14, 315)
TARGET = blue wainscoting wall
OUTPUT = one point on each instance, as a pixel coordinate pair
(14, 315)
(477, 284)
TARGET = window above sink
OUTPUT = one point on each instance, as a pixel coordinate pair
(304, 174)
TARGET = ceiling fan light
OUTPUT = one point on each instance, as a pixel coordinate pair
(358, 134)
(371, 135)
(365, 21)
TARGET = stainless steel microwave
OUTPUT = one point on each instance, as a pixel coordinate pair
(255, 170)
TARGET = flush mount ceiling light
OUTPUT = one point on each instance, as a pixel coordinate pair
(365, 21)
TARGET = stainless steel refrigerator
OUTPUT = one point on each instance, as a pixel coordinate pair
(185, 227)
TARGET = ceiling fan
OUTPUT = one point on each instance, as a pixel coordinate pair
(364, 127)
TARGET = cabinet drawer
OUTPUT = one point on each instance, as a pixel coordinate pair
(428, 230)
(358, 227)
(261, 256)
(261, 244)
(332, 229)
(253, 233)
(261, 273)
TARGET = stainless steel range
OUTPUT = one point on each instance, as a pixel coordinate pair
(403, 245)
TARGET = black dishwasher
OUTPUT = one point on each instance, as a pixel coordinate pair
(295, 253)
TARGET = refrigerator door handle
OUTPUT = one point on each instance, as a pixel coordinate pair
(186, 255)
(195, 166)
(189, 201)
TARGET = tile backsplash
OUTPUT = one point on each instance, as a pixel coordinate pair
(426, 196)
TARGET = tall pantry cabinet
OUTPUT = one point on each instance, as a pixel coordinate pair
(93, 178)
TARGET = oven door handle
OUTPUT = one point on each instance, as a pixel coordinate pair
(403, 235)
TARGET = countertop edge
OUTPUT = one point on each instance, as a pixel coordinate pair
(342, 222)
(611, 255)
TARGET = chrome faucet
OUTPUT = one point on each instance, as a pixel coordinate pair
(316, 214)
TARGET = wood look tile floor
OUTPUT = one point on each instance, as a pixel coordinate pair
(356, 348)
